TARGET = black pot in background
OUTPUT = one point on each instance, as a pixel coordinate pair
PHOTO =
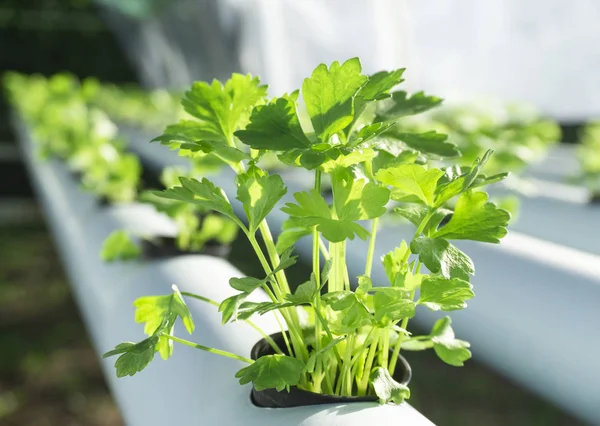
(165, 247)
(271, 398)
(595, 198)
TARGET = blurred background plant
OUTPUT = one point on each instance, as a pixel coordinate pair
(589, 157)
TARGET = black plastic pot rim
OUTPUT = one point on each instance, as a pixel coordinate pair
(296, 397)
(160, 247)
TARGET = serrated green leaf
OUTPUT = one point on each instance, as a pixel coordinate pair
(158, 311)
(368, 133)
(438, 293)
(377, 88)
(200, 136)
(245, 284)
(312, 210)
(439, 256)
(392, 304)
(415, 213)
(203, 193)
(329, 96)
(259, 195)
(401, 105)
(455, 181)
(272, 371)
(134, 356)
(224, 108)
(275, 126)
(411, 181)
(291, 231)
(394, 263)
(247, 309)
(386, 160)
(121, 348)
(397, 270)
(449, 349)
(305, 293)
(344, 161)
(365, 284)
(285, 260)
(119, 246)
(386, 388)
(429, 143)
(230, 307)
(357, 199)
(354, 311)
(475, 219)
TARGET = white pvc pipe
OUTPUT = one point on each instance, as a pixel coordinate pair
(193, 387)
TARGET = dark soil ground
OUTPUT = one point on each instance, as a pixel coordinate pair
(49, 373)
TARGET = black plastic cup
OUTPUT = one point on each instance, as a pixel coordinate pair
(272, 398)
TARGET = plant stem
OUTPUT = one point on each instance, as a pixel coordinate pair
(207, 349)
(328, 382)
(204, 299)
(364, 382)
(289, 315)
(385, 348)
(345, 275)
(329, 334)
(265, 336)
(317, 377)
(284, 334)
(324, 251)
(371, 252)
(396, 352)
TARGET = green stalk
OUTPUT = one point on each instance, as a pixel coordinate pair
(328, 383)
(385, 348)
(207, 349)
(323, 249)
(289, 315)
(364, 382)
(330, 335)
(265, 336)
(371, 252)
(348, 364)
(204, 299)
(396, 352)
(344, 266)
(296, 341)
(317, 273)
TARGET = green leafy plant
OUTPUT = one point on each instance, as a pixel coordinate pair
(354, 336)
(67, 127)
(589, 159)
(516, 132)
(196, 226)
(119, 246)
(130, 105)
